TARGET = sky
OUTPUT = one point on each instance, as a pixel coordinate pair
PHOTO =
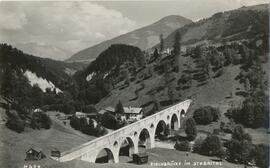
(59, 29)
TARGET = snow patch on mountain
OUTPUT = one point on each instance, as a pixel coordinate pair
(41, 82)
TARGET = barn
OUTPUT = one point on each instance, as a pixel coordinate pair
(34, 154)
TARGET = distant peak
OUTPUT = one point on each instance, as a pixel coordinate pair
(173, 18)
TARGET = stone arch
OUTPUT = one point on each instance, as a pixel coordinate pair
(127, 147)
(105, 155)
(160, 131)
(144, 139)
(182, 113)
(174, 122)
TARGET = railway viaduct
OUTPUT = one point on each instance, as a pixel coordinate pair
(141, 132)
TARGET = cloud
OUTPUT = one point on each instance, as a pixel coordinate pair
(252, 2)
(59, 29)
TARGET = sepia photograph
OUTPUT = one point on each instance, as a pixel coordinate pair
(134, 84)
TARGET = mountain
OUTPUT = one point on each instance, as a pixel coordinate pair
(229, 65)
(143, 38)
(243, 23)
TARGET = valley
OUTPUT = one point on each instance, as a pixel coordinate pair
(174, 91)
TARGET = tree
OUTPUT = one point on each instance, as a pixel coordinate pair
(161, 45)
(261, 155)
(156, 54)
(190, 129)
(7, 82)
(176, 50)
(206, 115)
(37, 96)
(240, 134)
(68, 108)
(75, 122)
(211, 146)
(171, 93)
(240, 147)
(119, 108)
(109, 121)
(176, 45)
(89, 109)
(15, 123)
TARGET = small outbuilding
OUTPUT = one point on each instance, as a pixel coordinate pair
(55, 153)
(34, 154)
(140, 158)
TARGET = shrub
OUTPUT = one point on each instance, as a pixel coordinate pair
(190, 129)
(182, 146)
(206, 115)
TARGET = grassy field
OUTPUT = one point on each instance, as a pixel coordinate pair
(14, 145)
(156, 155)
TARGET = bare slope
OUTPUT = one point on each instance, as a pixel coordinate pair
(143, 38)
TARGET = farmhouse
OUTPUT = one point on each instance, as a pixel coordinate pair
(34, 154)
(130, 113)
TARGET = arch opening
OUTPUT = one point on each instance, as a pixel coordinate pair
(162, 130)
(182, 113)
(174, 122)
(144, 141)
(126, 150)
(105, 156)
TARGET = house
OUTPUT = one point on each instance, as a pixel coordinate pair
(55, 153)
(133, 113)
(130, 113)
(34, 154)
(37, 110)
(80, 114)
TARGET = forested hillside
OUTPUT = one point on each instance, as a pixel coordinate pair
(242, 23)
(23, 96)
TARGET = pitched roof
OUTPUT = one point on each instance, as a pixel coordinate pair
(35, 149)
(132, 110)
(80, 113)
(128, 110)
(111, 109)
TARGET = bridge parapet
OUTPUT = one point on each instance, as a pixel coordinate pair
(108, 140)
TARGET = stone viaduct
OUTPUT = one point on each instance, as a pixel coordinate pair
(111, 143)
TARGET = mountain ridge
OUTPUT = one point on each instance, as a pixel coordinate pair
(144, 37)
(244, 22)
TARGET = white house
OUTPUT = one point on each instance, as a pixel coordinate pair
(133, 113)
(130, 113)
